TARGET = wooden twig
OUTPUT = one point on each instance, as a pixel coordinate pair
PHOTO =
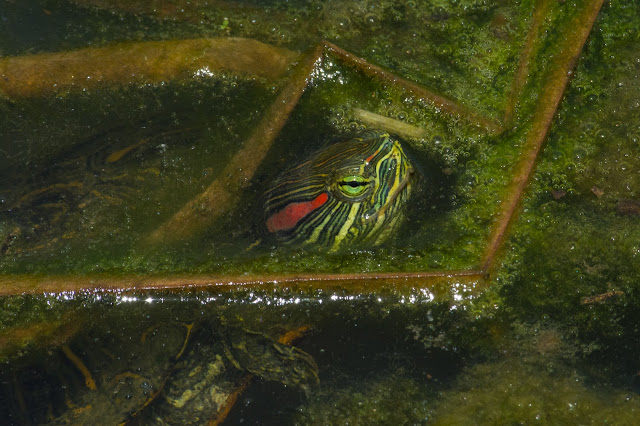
(600, 298)
(391, 125)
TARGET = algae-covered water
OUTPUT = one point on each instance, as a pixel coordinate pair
(544, 326)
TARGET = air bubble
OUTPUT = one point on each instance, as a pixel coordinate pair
(371, 20)
(579, 154)
(435, 258)
(447, 149)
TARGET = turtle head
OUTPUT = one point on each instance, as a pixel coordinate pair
(350, 194)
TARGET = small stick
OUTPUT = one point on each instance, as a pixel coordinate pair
(88, 379)
(389, 124)
(600, 298)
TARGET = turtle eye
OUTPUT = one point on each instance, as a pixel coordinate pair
(353, 185)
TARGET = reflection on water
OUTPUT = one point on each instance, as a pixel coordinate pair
(167, 358)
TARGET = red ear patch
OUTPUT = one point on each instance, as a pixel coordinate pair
(288, 217)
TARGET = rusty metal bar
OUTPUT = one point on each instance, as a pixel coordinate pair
(447, 105)
(223, 193)
(21, 284)
(559, 73)
(540, 11)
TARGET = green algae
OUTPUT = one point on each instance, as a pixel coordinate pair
(375, 402)
(460, 50)
(579, 245)
(456, 234)
(568, 244)
(516, 392)
(467, 172)
(176, 152)
(505, 392)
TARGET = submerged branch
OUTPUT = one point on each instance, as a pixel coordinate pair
(390, 125)
(146, 62)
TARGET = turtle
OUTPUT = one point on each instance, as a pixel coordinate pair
(49, 203)
(216, 365)
(351, 193)
(85, 190)
(159, 373)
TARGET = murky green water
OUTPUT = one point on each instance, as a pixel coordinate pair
(552, 337)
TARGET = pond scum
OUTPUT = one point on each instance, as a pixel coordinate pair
(544, 327)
